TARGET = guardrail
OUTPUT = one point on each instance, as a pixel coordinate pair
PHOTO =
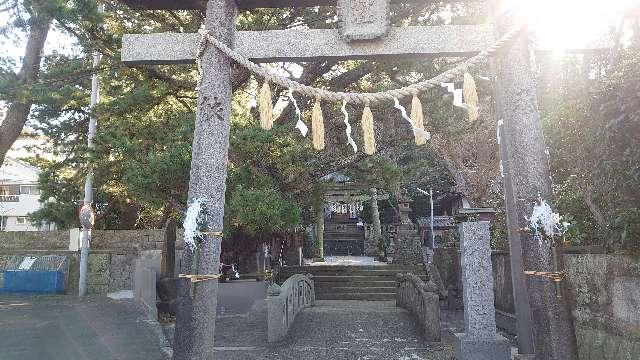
(420, 299)
(285, 302)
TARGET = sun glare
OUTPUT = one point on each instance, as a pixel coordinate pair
(569, 24)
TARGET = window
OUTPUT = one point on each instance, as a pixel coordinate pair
(4, 190)
(3, 223)
(29, 190)
(21, 220)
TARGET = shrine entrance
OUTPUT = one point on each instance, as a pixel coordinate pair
(344, 227)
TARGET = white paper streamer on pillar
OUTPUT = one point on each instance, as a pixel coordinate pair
(499, 129)
(304, 130)
(416, 130)
(348, 131)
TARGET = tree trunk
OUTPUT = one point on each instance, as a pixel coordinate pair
(19, 106)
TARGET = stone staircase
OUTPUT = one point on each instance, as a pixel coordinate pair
(345, 282)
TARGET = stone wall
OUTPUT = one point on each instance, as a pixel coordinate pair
(112, 256)
(100, 240)
(127, 239)
(605, 294)
(447, 260)
(502, 285)
(34, 240)
(108, 271)
(407, 249)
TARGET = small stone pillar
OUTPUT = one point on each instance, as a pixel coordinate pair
(373, 248)
(480, 340)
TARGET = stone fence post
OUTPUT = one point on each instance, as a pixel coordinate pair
(480, 340)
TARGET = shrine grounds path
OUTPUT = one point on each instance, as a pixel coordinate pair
(330, 330)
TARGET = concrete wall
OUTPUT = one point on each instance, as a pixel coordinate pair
(605, 294)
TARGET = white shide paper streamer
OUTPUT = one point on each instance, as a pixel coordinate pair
(543, 219)
(190, 224)
(416, 130)
(348, 130)
(304, 130)
(457, 95)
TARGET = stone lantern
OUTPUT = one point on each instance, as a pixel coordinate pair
(404, 209)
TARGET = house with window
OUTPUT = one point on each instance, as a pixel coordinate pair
(19, 196)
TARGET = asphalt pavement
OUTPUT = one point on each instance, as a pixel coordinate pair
(67, 328)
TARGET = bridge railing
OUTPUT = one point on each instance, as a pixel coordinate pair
(421, 299)
(285, 302)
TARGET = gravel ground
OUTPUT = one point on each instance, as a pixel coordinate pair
(330, 330)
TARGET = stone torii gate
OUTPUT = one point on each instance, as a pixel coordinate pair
(364, 32)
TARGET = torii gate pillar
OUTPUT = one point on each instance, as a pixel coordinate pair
(195, 325)
(526, 179)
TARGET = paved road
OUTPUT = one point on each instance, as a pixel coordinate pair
(65, 328)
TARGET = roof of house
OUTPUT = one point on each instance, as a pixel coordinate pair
(15, 171)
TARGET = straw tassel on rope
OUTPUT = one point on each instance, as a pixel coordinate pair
(317, 126)
(470, 96)
(368, 133)
(266, 107)
(417, 117)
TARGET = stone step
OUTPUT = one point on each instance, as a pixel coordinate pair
(354, 289)
(355, 278)
(343, 238)
(307, 268)
(361, 284)
(353, 232)
(356, 296)
(343, 272)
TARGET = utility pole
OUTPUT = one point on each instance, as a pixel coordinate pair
(86, 213)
